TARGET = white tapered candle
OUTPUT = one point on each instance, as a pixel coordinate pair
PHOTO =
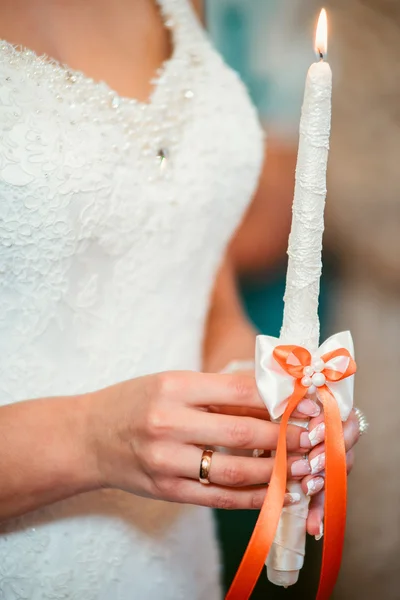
(300, 320)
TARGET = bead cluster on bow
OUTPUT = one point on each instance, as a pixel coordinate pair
(313, 376)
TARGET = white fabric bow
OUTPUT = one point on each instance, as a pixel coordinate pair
(275, 385)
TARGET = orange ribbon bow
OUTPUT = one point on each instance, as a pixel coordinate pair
(335, 478)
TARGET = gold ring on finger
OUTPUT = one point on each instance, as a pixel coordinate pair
(205, 466)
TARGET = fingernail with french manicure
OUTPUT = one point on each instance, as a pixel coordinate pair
(292, 498)
(317, 464)
(315, 485)
(321, 531)
(309, 408)
(300, 468)
(315, 437)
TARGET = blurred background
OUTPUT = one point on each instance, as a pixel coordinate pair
(270, 43)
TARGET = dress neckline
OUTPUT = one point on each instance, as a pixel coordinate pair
(44, 61)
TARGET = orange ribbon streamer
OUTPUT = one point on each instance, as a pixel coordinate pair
(335, 480)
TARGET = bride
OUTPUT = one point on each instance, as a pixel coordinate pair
(117, 204)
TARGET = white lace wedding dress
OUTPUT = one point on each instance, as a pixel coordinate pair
(113, 219)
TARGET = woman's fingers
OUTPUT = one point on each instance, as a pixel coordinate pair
(227, 392)
(172, 473)
(316, 516)
(315, 482)
(316, 434)
(231, 390)
(192, 492)
(316, 509)
(174, 461)
(350, 460)
(205, 429)
(241, 411)
(236, 471)
(351, 431)
(202, 428)
(306, 409)
(206, 389)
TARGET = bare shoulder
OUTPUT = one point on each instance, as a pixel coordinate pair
(200, 9)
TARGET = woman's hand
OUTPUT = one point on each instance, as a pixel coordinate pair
(148, 435)
(313, 484)
(311, 441)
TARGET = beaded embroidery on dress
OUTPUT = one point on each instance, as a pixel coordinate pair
(114, 216)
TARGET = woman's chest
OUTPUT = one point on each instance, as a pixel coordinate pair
(79, 162)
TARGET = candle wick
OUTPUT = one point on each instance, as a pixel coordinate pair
(320, 54)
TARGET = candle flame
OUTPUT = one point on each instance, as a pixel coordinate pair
(321, 36)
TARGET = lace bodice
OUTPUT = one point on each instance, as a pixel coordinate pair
(114, 216)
